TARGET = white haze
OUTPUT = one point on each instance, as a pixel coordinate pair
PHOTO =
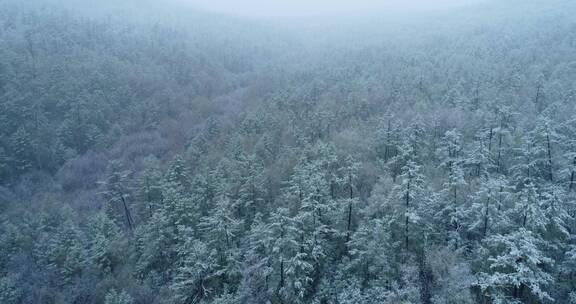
(307, 8)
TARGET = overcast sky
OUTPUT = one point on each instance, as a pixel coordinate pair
(272, 8)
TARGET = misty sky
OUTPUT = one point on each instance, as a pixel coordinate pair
(271, 8)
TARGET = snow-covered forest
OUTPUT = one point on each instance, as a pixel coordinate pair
(155, 153)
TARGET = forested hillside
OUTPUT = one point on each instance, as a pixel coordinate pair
(152, 154)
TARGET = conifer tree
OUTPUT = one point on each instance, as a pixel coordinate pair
(348, 181)
(485, 215)
(22, 146)
(409, 195)
(9, 291)
(117, 192)
(517, 270)
(115, 297)
(106, 243)
(196, 272)
(150, 188)
(453, 200)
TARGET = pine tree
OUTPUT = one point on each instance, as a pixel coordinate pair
(301, 264)
(387, 139)
(250, 182)
(181, 208)
(156, 247)
(545, 136)
(567, 142)
(529, 210)
(312, 189)
(115, 297)
(196, 272)
(117, 192)
(478, 158)
(221, 232)
(283, 235)
(518, 257)
(485, 215)
(371, 251)
(258, 268)
(517, 268)
(150, 188)
(528, 160)
(452, 203)
(5, 168)
(23, 151)
(348, 181)
(289, 258)
(568, 271)
(206, 187)
(501, 135)
(556, 204)
(159, 239)
(410, 148)
(59, 248)
(535, 156)
(408, 195)
(177, 175)
(221, 227)
(106, 244)
(10, 293)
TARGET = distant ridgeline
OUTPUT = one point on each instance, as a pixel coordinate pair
(151, 153)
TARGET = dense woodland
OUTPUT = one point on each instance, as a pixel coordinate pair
(159, 154)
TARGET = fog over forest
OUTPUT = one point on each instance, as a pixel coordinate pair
(280, 152)
(319, 8)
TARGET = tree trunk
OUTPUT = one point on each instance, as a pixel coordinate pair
(387, 147)
(281, 272)
(127, 214)
(477, 96)
(572, 176)
(148, 197)
(498, 169)
(490, 140)
(550, 165)
(349, 224)
(32, 52)
(539, 106)
(406, 216)
(485, 228)
(425, 278)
